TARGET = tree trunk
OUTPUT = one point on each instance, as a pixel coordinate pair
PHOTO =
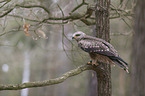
(102, 19)
(138, 62)
(102, 31)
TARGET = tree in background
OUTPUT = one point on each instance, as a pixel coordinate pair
(138, 62)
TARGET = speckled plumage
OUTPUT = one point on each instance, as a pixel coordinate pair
(92, 44)
(99, 49)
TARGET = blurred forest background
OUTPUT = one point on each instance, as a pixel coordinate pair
(36, 44)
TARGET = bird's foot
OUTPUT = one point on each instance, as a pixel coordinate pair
(95, 64)
(90, 62)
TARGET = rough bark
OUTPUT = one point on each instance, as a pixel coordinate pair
(102, 31)
(138, 62)
(102, 19)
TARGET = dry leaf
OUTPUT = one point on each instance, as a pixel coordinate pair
(42, 34)
(26, 28)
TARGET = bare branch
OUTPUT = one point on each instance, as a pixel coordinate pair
(14, 30)
(77, 7)
(124, 15)
(120, 15)
(85, 18)
(34, 6)
(58, 80)
(65, 19)
(5, 3)
(17, 16)
(88, 22)
(124, 34)
(31, 6)
(4, 14)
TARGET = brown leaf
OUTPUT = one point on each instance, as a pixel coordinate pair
(42, 34)
(26, 28)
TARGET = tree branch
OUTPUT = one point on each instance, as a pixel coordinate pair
(58, 80)
(22, 6)
(5, 3)
(4, 14)
(80, 5)
(2, 1)
(34, 6)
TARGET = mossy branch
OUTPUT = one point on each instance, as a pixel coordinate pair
(58, 80)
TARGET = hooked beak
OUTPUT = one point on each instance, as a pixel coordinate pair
(74, 37)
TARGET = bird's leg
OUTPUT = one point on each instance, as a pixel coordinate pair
(95, 63)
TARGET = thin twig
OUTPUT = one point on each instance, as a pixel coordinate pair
(4, 14)
(121, 17)
(33, 6)
(5, 4)
(80, 5)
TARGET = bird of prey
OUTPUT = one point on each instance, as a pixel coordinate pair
(99, 50)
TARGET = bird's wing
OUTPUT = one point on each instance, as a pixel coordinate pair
(104, 42)
(96, 45)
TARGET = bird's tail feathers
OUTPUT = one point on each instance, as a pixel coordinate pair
(120, 62)
(123, 66)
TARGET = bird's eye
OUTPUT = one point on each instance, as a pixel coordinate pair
(78, 34)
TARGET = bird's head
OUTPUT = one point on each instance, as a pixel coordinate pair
(78, 35)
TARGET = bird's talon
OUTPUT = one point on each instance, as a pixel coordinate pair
(94, 64)
(89, 63)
